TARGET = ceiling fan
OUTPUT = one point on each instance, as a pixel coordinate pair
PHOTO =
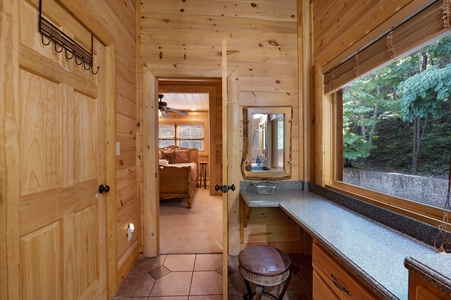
(164, 109)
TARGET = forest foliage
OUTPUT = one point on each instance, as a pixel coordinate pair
(398, 118)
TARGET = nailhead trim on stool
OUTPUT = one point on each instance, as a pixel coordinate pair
(264, 266)
(264, 280)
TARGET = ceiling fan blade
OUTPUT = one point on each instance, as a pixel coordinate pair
(177, 111)
(164, 113)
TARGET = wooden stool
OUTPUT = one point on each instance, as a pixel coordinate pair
(264, 266)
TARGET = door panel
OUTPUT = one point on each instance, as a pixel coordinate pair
(81, 256)
(85, 142)
(39, 254)
(39, 144)
(62, 163)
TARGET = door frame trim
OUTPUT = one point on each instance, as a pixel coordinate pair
(150, 184)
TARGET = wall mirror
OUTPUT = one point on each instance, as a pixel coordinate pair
(267, 143)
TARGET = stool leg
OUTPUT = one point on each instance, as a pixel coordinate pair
(205, 177)
(258, 292)
(285, 287)
(249, 294)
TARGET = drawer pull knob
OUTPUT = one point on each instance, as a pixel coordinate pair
(339, 286)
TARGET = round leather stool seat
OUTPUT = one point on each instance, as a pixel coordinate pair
(264, 266)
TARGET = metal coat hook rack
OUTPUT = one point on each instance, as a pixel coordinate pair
(62, 42)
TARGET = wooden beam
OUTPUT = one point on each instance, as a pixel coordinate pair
(151, 201)
(111, 177)
(304, 65)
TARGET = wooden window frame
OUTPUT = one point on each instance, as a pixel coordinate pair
(332, 137)
(176, 125)
(191, 124)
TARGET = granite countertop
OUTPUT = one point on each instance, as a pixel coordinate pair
(370, 250)
(436, 270)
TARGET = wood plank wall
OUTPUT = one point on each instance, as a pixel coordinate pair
(340, 24)
(183, 39)
(127, 130)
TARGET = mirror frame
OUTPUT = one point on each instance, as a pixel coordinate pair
(246, 161)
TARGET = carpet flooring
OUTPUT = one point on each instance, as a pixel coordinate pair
(191, 231)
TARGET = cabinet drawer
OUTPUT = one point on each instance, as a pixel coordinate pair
(425, 294)
(336, 277)
(321, 290)
(420, 289)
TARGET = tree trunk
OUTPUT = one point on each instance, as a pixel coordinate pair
(415, 143)
(424, 63)
(417, 134)
(373, 125)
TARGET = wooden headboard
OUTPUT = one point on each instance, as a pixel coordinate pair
(180, 153)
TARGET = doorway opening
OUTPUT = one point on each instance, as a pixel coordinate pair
(191, 118)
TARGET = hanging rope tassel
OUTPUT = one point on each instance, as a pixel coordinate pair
(391, 50)
(356, 64)
(443, 232)
(446, 7)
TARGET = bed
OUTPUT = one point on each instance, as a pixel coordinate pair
(178, 172)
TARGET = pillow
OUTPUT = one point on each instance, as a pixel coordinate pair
(169, 155)
(181, 156)
(163, 162)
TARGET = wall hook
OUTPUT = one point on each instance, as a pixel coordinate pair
(97, 70)
(78, 59)
(61, 41)
(67, 50)
(86, 66)
(56, 44)
(43, 40)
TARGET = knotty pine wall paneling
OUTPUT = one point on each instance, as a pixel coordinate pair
(127, 129)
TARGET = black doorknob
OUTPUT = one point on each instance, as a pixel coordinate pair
(225, 188)
(104, 188)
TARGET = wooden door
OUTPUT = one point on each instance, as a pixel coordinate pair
(62, 163)
(230, 163)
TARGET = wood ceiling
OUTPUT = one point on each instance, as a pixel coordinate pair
(186, 102)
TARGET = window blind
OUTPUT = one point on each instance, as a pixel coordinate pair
(401, 39)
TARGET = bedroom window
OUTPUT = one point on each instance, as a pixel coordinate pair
(190, 136)
(390, 102)
(166, 135)
(186, 136)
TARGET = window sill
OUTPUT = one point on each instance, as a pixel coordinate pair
(414, 210)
